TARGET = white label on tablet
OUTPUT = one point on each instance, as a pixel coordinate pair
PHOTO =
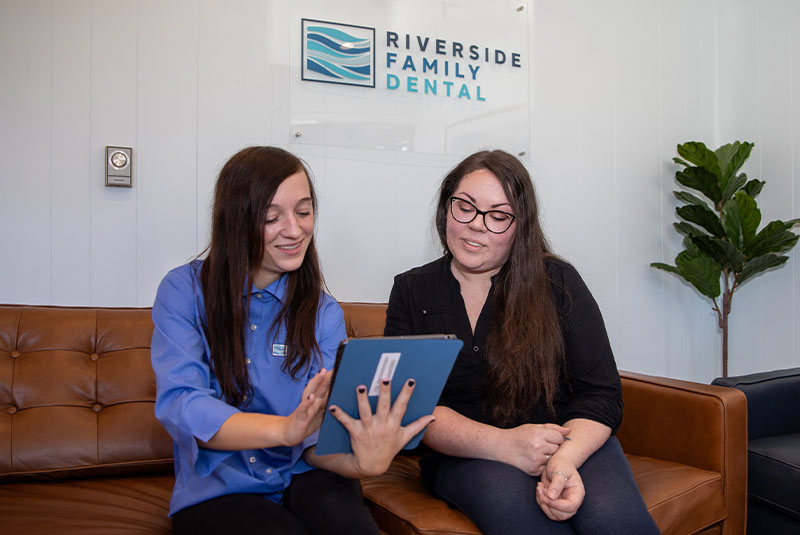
(386, 367)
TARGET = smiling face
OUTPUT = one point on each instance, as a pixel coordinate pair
(475, 250)
(288, 229)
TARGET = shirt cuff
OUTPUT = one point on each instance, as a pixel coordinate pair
(202, 419)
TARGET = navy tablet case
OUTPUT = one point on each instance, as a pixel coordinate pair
(365, 361)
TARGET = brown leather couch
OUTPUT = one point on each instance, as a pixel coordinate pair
(81, 452)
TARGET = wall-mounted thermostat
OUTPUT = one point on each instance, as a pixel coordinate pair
(119, 166)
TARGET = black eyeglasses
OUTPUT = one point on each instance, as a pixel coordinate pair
(495, 221)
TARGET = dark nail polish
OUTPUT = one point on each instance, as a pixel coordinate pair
(361, 389)
(332, 409)
(385, 381)
(411, 382)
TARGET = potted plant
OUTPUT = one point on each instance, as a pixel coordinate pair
(721, 237)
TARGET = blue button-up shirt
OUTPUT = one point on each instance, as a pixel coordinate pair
(189, 401)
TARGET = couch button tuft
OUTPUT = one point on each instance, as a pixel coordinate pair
(96, 407)
(12, 410)
(15, 354)
(94, 356)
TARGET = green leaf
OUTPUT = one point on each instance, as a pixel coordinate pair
(759, 264)
(701, 180)
(688, 198)
(666, 267)
(775, 237)
(725, 153)
(691, 247)
(734, 155)
(741, 217)
(700, 155)
(701, 271)
(733, 185)
(682, 162)
(702, 217)
(687, 230)
(722, 251)
(753, 188)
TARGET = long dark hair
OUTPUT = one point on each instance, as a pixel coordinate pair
(244, 190)
(525, 346)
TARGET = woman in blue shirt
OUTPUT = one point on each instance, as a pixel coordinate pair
(242, 345)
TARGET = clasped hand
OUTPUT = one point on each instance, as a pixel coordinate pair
(560, 492)
(529, 447)
(376, 438)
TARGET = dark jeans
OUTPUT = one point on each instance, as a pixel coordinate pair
(316, 502)
(501, 500)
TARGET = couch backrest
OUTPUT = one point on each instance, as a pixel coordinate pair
(77, 390)
(77, 393)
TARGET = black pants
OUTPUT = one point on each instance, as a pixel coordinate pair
(316, 502)
(501, 499)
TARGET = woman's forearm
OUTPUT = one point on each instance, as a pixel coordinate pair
(585, 438)
(456, 435)
(249, 430)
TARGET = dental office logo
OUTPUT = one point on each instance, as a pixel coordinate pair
(345, 54)
(338, 53)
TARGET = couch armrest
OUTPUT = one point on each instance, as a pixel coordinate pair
(690, 423)
(772, 401)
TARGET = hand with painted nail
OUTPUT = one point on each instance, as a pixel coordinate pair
(307, 417)
(376, 438)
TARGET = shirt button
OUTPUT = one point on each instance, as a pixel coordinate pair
(247, 361)
(476, 349)
(253, 326)
(252, 459)
(268, 470)
(258, 296)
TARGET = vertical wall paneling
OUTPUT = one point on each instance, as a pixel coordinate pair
(25, 152)
(595, 145)
(233, 94)
(70, 164)
(676, 102)
(775, 159)
(639, 221)
(114, 118)
(555, 163)
(703, 342)
(167, 139)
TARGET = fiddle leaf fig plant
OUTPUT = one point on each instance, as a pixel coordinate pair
(723, 247)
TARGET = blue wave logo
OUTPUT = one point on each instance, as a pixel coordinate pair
(338, 53)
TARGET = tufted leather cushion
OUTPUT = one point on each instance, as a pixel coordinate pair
(77, 394)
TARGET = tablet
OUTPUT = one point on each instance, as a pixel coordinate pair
(427, 359)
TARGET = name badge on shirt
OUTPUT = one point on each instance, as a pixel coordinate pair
(278, 350)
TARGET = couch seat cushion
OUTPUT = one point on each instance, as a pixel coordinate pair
(134, 504)
(402, 506)
(774, 471)
(682, 499)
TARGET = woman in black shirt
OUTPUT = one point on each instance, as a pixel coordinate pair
(523, 438)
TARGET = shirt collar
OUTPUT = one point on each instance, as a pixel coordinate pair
(277, 289)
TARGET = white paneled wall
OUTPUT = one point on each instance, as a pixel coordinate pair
(615, 85)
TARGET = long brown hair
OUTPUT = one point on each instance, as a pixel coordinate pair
(244, 190)
(525, 346)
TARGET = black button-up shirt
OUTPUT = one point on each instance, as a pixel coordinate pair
(427, 300)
